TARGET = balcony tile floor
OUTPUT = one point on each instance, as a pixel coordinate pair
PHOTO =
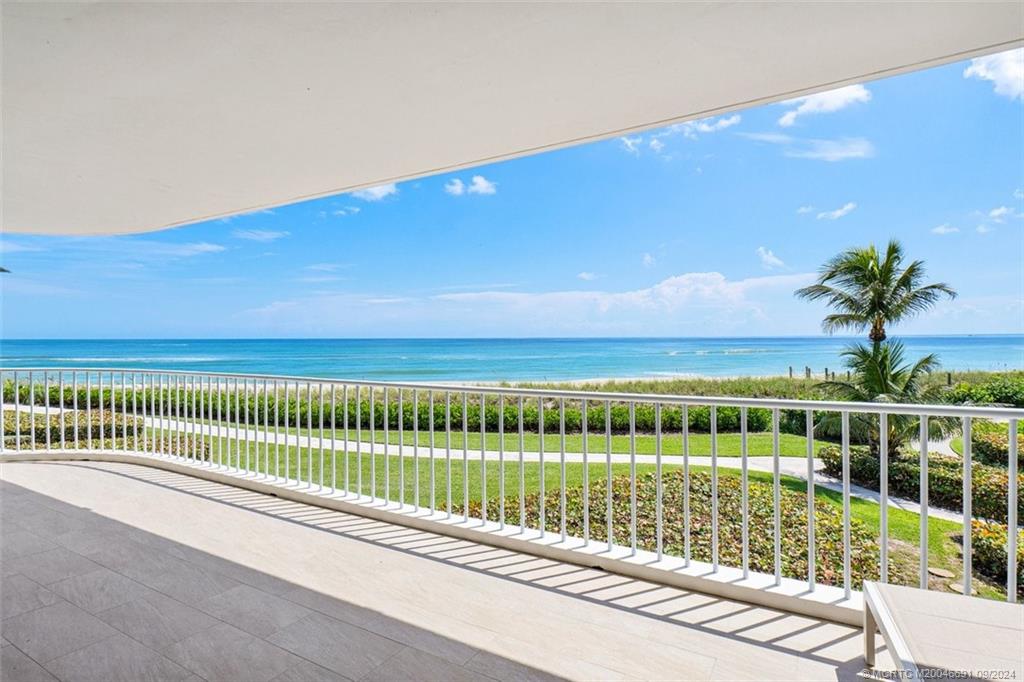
(124, 572)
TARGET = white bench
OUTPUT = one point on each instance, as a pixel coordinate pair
(941, 635)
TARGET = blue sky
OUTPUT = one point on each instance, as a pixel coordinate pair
(701, 229)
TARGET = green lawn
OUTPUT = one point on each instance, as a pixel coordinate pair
(672, 444)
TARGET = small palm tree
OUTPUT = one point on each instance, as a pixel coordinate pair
(869, 291)
(881, 374)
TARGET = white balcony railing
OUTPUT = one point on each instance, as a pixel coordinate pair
(567, 473)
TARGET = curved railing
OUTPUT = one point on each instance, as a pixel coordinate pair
(697, 486)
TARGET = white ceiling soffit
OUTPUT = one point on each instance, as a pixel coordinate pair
(138, 116)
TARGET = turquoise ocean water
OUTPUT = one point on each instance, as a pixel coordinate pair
(496, 359)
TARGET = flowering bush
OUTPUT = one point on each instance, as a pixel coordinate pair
(989, 485)
(990, 543)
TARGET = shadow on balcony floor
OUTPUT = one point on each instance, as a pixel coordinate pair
(119, 571)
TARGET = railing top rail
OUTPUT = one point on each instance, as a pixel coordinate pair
(932, 410)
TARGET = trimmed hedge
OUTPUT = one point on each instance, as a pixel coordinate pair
(113, 426)
(990, 544)
(989, 485)
(828, 524)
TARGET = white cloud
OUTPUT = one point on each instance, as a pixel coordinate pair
(1005, 70)
(319, 279)
(690, 129)
(376, 193)
(192, 249)
(822, 150)
(804, 209)
(833, 150)
(259, 235)
(656, 146)
(824, 102)
(945, 228)
(323, 267)
(586, 276)
(481, 185)
(649, 260)
(983, 229)
(1018, 193)
(478, 184)
(1000, 214)
(346, 211)
(632, 144)
(768, 259)
(845, 209)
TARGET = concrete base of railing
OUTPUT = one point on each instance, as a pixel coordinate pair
(825, 602)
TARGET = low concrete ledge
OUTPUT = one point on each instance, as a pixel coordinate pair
(793, 596)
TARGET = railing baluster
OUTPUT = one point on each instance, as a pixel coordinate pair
(686, 484)
(812, 577)
(744, 497)
(373, 444)
(309, 432)
(416, 450)
(287, 430)
(483, 458)
(586, 480)
(632, 477)
(430, 425)
(17, 413)
(320, 394)
(609, 531)
(883, 485)
(344, 399)
(135, 413)
(923, 511)
(277, 430)
(334, 436)
(777, 497)
(658, 512)
(74, 398)
(401, 449)
(46, 408)
(1011, 514)
(387, 455)
(561, 467)
(465, 456)
(967, 505)
(448, 453)
(714, 489)
(359, 441)
(846, 503)
(522, 472)
(542, 473)
(501, 462)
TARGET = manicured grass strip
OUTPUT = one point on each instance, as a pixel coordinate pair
(646, 444)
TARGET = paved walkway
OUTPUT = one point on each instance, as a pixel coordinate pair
(118, 571)
(788, 466)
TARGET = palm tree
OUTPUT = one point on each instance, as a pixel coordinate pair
(881, 374)
(869, 292)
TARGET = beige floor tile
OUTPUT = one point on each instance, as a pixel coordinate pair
(256, 612)
(98, 590)
(309, 672)
(52, 565)
(17, 667)
(336, 645)
(19, 594)
(412, 665)
(53, 631)
(116, 659)
(226, 653)
(157, 620)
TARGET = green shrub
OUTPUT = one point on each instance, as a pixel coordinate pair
(990, 444)
(990, 544)
(989, 485)
(828, 524)
(113, 426)
(1003, 390)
